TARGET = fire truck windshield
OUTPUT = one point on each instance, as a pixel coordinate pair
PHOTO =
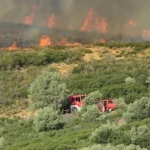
(78, 99)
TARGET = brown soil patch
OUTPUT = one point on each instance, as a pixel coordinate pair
(64, 69)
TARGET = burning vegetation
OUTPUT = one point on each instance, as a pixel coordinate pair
(13, 47)
(91, 23)
(52, 21)
(45, 41)
(58, 23)
(30, 18)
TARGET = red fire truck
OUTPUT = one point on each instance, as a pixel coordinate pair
(74, 103)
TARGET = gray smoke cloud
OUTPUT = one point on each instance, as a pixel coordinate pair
(72, 12)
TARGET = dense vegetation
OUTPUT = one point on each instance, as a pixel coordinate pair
(141, 45)
(110, 78)
(28, 75)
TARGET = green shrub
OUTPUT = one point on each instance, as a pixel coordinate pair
(47, 119)
(91, 114)
(2, 143)
(139, 110)
(138, 49)
(48, 89)
(110, 79)
(111, 147)
(19, 59)
(92, 98)
(102, 134)
(110, 133)
(122, 106)
(130, 81)
(90, 111)
(140, 136)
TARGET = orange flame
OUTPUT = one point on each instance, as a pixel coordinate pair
(130, 23)
(76, 44)
(146, 34)
(29, 19)
(52, 21)
(13, 47)
(102, 25)
(92, 23)
(88, 22)
(65, 42)
(45, 41)
(103, 41)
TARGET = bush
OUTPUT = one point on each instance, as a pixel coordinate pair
(110, 79)
(111, 147)
(138, 110)
(91, 114)
(141, 136)
(18, 59)
(48, 89)
(122, 106)
(92, 98)
(102, 134)
(47, 119)
(2, 143)
(90, 111)
(110, 133)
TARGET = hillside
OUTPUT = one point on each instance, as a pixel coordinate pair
(84, 69)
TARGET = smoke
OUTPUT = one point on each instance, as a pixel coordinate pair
(5, 6)
(71, 13)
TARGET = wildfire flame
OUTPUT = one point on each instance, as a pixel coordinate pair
(92, 23)
(45, 41)
(65, 42)
(88, 22)
(130, 27)
(103, 41)
(29, 19)
(146, 34)
(102, 25)
(13, 47)
(130, 23)
(52, 21)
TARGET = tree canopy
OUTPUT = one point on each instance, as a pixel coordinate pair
(48, 89)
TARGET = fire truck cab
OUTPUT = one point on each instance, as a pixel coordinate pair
(74, 103)
(107, 105)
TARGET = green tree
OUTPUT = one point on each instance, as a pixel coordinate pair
(130, 81)
(122, 106)
(138, 110)
(92, 98)
(102, 134)
(47, 119)
(141, 136)
(91, 114)
(90, 111)
(48, 89)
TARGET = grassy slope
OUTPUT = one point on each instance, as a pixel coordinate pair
(15, 79)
